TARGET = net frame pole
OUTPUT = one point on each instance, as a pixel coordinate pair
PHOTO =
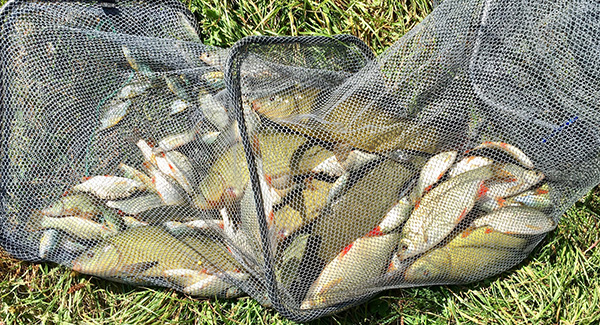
(232, 76)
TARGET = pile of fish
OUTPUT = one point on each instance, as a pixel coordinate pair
(343, 215)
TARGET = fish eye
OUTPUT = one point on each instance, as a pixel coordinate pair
(90, 254)
(426, 273)
(272, 98)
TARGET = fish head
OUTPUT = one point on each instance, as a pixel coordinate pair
(100, 261)
(273, 106)
(407, 248)
(284, 104)
(56, 209)
(425, 270)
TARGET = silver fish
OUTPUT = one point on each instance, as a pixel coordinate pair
(215, 58)
(511, 180)
(78, 204)
(215, 112)
(78, 227)
(137, 204)
(356, 209)
(167, 190)
(365, 259)
(176, 85)
(440, 210)
(178, 106)
(48, 242)
(509, 149)
(517, 221)
(110, 187)
(467, 164)
(136, 175)
(330, 166)
(133, 90)
(397, 215)
(432, 172)
(114, 114)
(209, 286)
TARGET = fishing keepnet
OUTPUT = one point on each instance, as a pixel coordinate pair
(302, 171)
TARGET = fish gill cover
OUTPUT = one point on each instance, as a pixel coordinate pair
(302, 171)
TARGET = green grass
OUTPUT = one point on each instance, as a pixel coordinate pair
(559, 283)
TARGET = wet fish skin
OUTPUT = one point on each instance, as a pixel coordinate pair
(114, 113)
(110, 187)
(358, 209)
(467, 164)
(354, 266)
(227, 179)
(432, 172)
(471, 255)
(165, 188)
(136, 175)
(48, 242)
(517, 220)
(78, 227)
(513, 151)
(397, 215)
(78, 204)
(216, 256)
(352, 121)
(133, 90)
(440, 210)
(210, 286)
(137, 205)
(178, 106)
(215, 58)
(511, 180)
(137, 252)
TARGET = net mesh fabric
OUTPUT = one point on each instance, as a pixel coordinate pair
(302, 171)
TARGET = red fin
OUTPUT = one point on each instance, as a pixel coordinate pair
(466, 233)
(501, 202)
(540, 191)
(375, 232)
(482, 190)
(488, 230)
(462, 215)
(269, 180)
(346, 250)
(271, 219)
(417, 204)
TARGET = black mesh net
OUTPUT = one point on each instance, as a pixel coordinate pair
(302, 171)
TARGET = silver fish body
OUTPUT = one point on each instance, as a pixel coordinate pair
(513, 151)
(115, 112)
(138, 204)
(432, 172)
(467, 164)
(468, 257)
(440, 210)
(517, 220)
(110, 187)
(48, 242)
(350, 272)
